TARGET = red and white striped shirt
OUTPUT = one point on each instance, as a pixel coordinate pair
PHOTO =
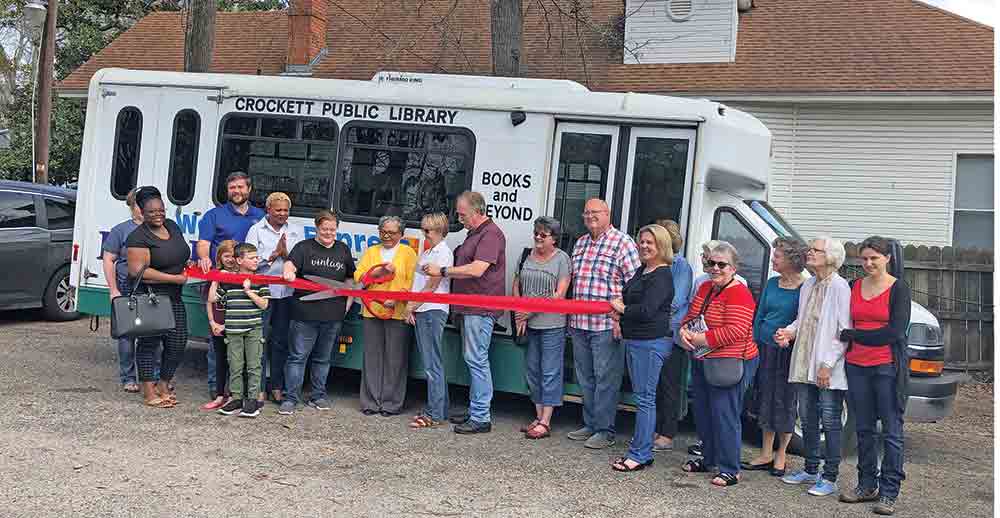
(730, 320)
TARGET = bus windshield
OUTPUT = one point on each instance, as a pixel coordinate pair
(772, 218)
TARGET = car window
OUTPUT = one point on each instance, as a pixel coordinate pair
(17, 210)
(59, 213)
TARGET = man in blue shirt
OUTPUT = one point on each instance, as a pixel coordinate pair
(229, 221)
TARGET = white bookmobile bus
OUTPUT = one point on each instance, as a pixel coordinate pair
(408, 144)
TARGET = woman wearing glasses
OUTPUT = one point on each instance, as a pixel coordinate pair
(385, 362)
(725, 308)
(428, 320)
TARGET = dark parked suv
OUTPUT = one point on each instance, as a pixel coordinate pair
(36, 238)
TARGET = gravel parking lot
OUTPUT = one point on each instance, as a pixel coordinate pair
(73, 444)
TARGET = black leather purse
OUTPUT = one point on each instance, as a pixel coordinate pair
(141, 314)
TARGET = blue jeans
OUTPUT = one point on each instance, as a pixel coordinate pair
(645, 359)
(871, 396)
(276, 321)
(599, 361)
(717, 414)
(430, 333)
(477, 331)
(543, 365)
(210, 361)
(821, 405)
(310, 337)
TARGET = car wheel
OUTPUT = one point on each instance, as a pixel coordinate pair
(57, 302)
(848, 437)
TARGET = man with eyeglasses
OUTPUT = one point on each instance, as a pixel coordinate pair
(603, 259)
(480, 269)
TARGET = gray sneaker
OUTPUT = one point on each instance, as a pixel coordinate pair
(599, 441)
(286, 408)
(320, 404)
(886, 506)
(580, 435)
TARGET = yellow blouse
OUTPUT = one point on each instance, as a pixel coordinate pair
(405, 262)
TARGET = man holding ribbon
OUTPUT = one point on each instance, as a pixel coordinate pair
(480, 269)
(603, 259)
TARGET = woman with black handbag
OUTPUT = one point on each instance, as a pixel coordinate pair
(157, 255)
(718, 329)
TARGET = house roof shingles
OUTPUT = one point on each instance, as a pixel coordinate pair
(783, 46)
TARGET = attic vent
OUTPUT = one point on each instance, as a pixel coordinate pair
(680, 10)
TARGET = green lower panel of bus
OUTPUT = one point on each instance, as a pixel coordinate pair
(506, 358)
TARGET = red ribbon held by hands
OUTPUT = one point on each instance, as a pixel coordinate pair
(489, 302)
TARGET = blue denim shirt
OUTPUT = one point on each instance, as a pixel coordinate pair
(682, 276)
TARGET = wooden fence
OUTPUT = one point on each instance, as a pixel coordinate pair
(956, 285)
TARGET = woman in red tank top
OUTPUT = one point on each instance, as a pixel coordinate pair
(877, 375)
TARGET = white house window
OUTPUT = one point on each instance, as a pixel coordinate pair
(973, 225)
(680, 10)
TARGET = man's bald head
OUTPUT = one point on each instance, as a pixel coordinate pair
(596, 216)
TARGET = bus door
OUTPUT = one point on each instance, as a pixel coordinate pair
(656, 181)
(583, 162)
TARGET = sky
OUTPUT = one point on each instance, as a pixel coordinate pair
(982, 11)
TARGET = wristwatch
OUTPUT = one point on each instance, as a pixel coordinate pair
(444, 271)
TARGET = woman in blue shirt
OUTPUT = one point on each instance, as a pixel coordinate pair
(778, 307)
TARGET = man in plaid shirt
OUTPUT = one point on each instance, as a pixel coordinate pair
(602, 261)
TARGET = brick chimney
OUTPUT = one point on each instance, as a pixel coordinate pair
(306, 35)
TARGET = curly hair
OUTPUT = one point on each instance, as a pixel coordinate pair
(794, 251)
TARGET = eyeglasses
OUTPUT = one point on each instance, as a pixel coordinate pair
(712, 264)
(589, 213)
(426, 230)
(388, 232)
(816, 251)
(542, 235)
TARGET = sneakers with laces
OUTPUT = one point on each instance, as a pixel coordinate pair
(251, 408)
(320, 404)
(823, 488)
(859, 494)
(886, 506)
(600, 440)
(800, 477)
(234, 406)
(287, 408)
(580, 435)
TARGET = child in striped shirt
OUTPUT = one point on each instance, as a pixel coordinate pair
(244, 306)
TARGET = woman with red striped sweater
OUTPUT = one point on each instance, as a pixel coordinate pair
(718, 326)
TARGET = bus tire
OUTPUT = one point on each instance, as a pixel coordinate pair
(56, 301)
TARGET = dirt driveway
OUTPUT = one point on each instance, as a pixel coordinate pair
(73, 444)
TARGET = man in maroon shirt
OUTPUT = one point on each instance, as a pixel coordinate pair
(480, 269)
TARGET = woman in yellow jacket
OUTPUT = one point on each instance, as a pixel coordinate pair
(386, 342)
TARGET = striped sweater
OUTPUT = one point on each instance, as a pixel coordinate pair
(242, 313)
(730, 321)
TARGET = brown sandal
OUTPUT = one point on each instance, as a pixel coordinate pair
(422, 421)
(524, 429)
(531, 434)
(160, 403)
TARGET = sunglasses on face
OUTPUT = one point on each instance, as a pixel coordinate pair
(426, 230)
(722, 265)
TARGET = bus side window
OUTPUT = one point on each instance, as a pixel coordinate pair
(125, 161)
(754, 251)
(183, 157)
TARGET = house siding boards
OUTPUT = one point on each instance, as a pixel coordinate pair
(706, 37)
(853, 170)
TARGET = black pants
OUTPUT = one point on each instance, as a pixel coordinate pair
(221, 366)
(671, 398)
(777, 396)
(174, 342)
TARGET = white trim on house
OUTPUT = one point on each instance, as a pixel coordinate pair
(894, 97)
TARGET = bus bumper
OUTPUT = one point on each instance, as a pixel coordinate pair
(933, 398)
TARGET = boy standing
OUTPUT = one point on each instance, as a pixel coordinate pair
(244, 306)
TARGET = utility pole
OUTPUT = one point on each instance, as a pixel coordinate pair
(199, 35)
(46, 68)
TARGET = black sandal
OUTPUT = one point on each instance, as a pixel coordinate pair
(728, 478)
(620, 461)
(695, 466)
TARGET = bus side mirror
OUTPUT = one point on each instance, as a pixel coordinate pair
(516, 118)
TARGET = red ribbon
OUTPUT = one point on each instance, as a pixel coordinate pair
(490, 302)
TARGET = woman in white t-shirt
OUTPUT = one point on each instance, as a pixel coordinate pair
(429, 319)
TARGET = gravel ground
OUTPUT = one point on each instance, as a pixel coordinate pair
(73, 444)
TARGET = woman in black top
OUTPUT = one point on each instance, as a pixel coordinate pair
(644, 313)
(159, 245)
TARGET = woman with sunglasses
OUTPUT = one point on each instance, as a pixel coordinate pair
(726, 308)
(385, 363)
(428, 320)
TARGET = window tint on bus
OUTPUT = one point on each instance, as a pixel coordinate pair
(405, 171)
(583, 174)
(183, 157)
(657, 181)
(125, 162)
(59, 214)
(754, 251)
(289, 155)
(17, 210)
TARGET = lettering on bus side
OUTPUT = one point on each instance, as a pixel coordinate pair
(506, 201)
(421, 114)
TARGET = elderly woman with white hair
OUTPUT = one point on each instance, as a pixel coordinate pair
(817, 364)
(385, 363)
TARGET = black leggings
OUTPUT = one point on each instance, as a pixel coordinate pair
(174, 342)
(670, 399)
(221, 366)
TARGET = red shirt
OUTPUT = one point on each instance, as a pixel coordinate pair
(868, 315)
(730, 321)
